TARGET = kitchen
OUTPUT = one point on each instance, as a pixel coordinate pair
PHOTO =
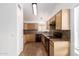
(51, 32)
(39, 29)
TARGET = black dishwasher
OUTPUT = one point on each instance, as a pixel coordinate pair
(38, 38)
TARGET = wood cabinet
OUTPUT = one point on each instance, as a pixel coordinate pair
(45, 42)
(59, 48)
(56, 46)
(50, 22)
(51, 48)
(30, 26)
(65, 19)
(29, 37)
(30, 32)
(48, 25)
(59, 20)
(62, 20)
(43, 39)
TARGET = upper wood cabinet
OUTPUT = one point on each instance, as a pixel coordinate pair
(65, 19)
(30, 26)
(59, 20)
(62, 20)
(48, 27)
(50, 22)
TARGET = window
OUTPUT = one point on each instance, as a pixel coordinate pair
(41, 27)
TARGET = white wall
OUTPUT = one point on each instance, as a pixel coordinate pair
(8, 24)
(8, 29)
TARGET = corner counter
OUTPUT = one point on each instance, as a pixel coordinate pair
(57, 46)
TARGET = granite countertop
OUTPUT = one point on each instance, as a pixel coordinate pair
(54, 38)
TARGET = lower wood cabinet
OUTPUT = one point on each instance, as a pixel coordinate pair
(45, 42)
(59, 48)
(51, 49)
(56, 47)
(29, 37)
(43, 39)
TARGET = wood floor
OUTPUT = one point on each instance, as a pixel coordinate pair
(34, 49)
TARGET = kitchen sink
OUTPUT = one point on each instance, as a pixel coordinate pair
(50, 36)
(55, 35)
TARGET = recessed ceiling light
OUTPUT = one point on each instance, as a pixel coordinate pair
(34, 5)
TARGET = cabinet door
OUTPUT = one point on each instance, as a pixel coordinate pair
(48, 25)
(29, 38)
(52, 24)
(43, 39)
(65, 19)
(61, 48)
(51, 49)
(30, 26)
(59, 20)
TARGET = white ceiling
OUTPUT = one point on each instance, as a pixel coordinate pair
(44, 11)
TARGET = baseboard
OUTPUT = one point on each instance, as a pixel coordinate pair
(21, 54)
